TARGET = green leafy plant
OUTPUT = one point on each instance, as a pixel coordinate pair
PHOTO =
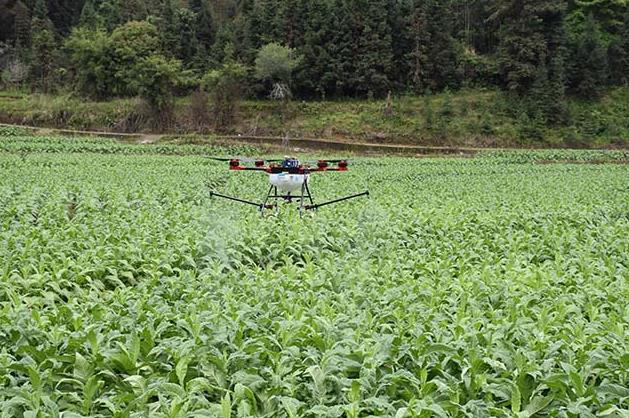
(488, 286)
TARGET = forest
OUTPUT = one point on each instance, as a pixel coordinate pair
(540, 53)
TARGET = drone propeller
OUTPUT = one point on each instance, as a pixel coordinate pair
(327, 161)
(241, 159)
(245, 159)
(220, 159)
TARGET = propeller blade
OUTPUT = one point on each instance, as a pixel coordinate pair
(220, 159)
(241, 159)
(247, 159)
(327, 161)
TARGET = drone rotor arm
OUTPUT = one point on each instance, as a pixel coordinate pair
(331, 169)
(244, 168)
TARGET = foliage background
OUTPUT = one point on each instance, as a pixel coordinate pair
(540, 53)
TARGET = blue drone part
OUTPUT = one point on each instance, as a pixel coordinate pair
(290, 163)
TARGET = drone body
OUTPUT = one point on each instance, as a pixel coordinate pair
(288, 180)
(288, 183)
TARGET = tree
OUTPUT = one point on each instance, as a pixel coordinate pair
(314, 75)
(129, 45)
(64, 14)
(168, 29)
(341, 49)
(432, 54)
(110, 14)
(419, 33)
(223, 47)
(618, 54)
(186, 45)
(588, 73)
(443, 50)
(398, 12)
(375, 55)
(23, 28)
(89, 53)
(156, 78)
(42, 44)
(226, 89)
(276, 63)
(128, 62)
(114, 13)
(607, 13)
(347, 47)
(90, 17)
(204, 23)
(531, 53)
(294, 20)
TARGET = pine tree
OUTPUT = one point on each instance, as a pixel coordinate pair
(588, 74)
(532, 52)
(618, 54)
(186, 44)
(432, 53)
(224, 42)
(375, 55)
(242, 43)
(22, 29)
(527, 39)
(134, 10)
(110, 13)
(313, 77)
(442, 53)
(294, 21)
(417, 56)
(90, 17)
(398, 12)
(168, 28)
(64, 14)
(538, 97)
(556, 100)
(255, 27)
(205, 29)
(43, 45)
(265, 23)
(274, 15)
(342, 50)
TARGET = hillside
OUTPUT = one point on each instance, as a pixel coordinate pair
(470, 117)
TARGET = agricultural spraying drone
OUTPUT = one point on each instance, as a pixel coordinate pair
(287, 176)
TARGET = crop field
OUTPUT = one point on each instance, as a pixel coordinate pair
(494, 286)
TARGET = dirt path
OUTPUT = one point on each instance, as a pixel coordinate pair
(72, 132)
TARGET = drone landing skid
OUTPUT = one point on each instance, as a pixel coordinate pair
(236, 199)
(331, 202)
(273, 194)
